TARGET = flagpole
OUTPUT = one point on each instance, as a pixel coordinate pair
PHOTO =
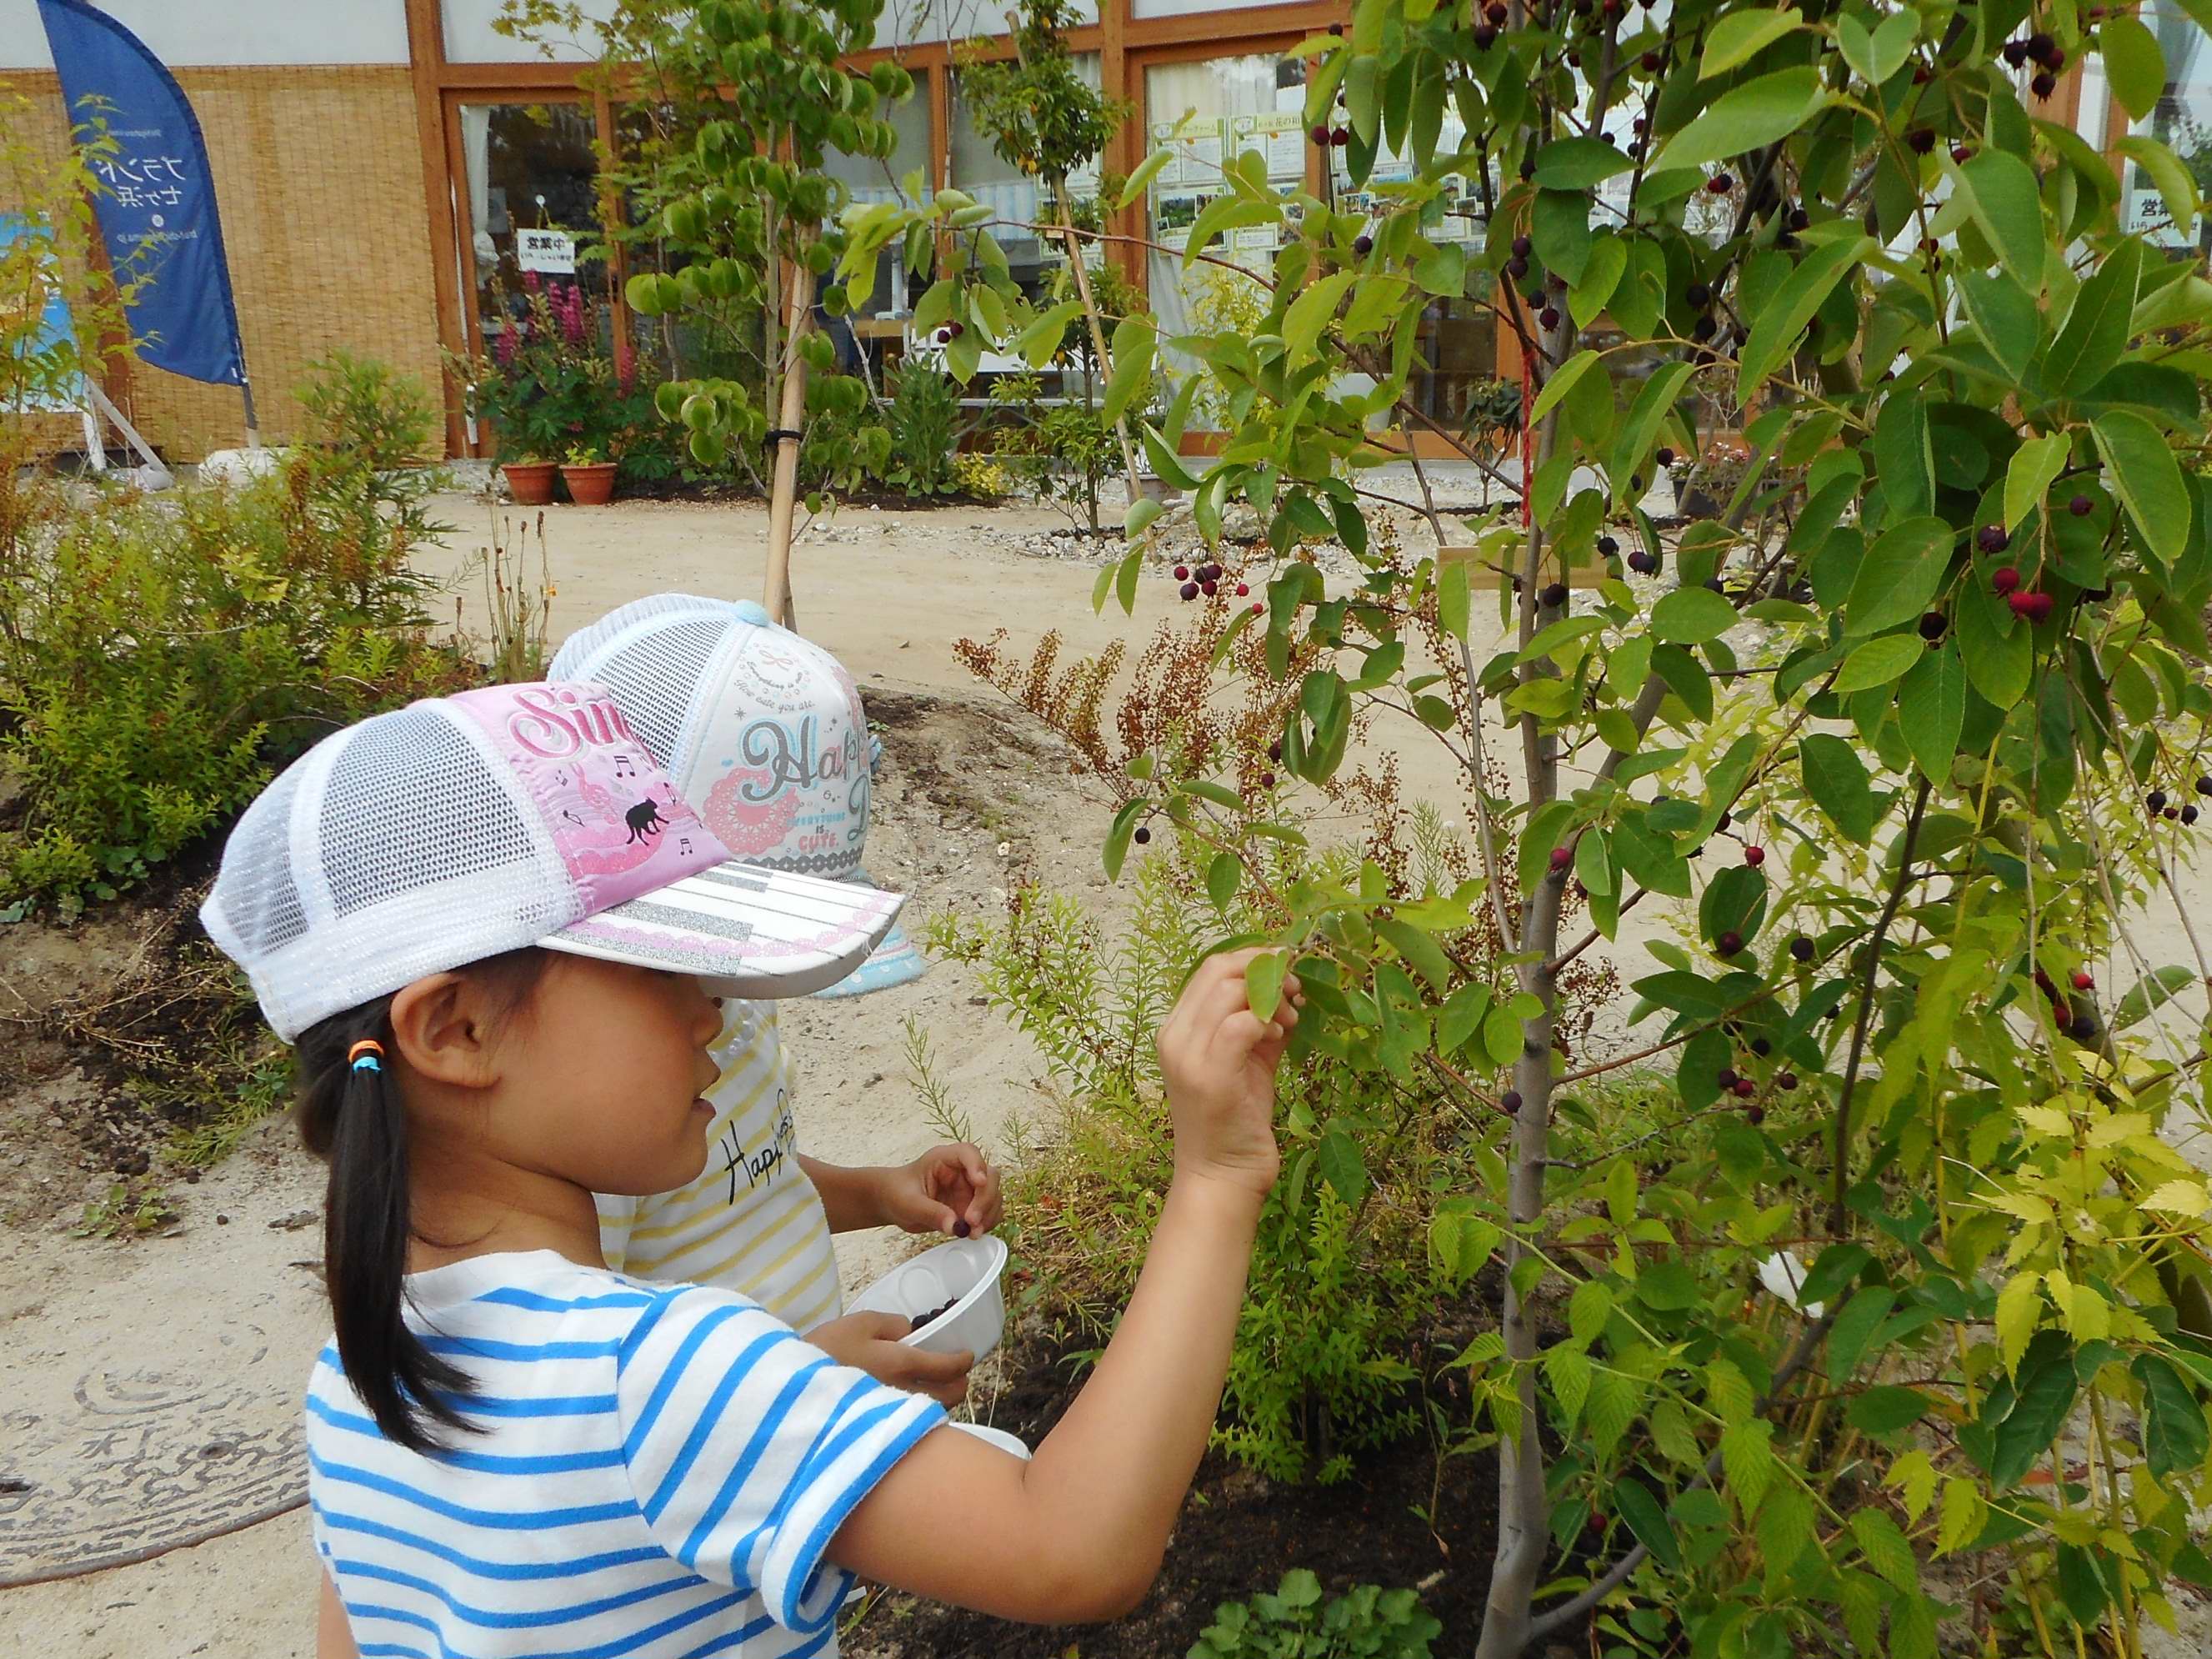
(246, 389)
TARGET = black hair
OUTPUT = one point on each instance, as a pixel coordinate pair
(356, 1119)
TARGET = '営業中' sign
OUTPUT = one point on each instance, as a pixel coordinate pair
(551, 252)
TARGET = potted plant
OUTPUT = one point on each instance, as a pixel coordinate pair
(590, 480)
(529, 481)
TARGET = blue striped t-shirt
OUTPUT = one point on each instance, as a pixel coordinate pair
(662, 1469)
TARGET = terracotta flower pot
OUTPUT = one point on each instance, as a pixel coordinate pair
(530, 482)
(591, 484)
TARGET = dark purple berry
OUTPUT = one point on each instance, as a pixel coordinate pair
(1730, 943)
(1142, 836)
(1190, 590)
(1554, 597)
(2081, 507)
(1801, 948)
(1932, 625)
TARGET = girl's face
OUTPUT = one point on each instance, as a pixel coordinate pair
(603, 1076)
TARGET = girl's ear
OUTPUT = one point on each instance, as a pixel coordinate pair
(444, 1031)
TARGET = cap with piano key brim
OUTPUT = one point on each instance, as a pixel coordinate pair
(745, 930)
(762, 731)
(459, 829)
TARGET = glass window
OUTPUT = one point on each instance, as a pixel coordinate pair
(1207, 112)
(870, 180)
(1014, 197)
(533, 202)
(2182, 119)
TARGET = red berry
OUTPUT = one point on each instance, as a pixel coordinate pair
(1562, 857)
(1242, 590)
(1960, 153)
(1257, 607)
(2082, 981)
(2040, 607)
(1321, 136)
(2022, 603)
(1744, 1088)
(2004, 579)
(1340, 137)
(1208, 588)
(1755, 856)
(1182, 572)
(1720, 183)
(1267, 780)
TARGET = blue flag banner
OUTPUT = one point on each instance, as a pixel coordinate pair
(157, 212)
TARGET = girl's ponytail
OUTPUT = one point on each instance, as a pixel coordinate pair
(351, 1113)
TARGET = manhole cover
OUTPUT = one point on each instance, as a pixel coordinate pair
(143, 1461)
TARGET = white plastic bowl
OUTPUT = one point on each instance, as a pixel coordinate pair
(998, 1437)
(964, 1272)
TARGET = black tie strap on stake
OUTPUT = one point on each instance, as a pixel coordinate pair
(775, 436)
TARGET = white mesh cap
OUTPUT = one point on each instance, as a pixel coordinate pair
(761, 732)
(462, 827)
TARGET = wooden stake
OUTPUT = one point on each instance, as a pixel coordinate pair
(783, 493)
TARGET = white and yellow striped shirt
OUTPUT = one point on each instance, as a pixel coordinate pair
(752, 1222)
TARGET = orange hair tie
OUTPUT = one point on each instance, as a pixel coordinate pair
(366, 1055)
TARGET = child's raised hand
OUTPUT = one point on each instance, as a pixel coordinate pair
(1218, 1059)
(950, 1188)
(870, 1342)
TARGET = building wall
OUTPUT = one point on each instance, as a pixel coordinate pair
(230, 32)
(319, 175)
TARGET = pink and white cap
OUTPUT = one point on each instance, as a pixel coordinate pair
(461, 827)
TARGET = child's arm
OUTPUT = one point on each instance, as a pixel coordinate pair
(1079, 1532)
(946, 1185)
(333, 1635)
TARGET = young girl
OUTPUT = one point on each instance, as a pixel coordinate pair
(495, 932)
(763, 733)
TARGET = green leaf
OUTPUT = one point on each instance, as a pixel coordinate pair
(1886, 1410)
(1634, 1502)
(1784, 315)
(2000, 193)
(1263, 982)
(1118, 833)
(2133, 62)
(1904, 462)
(2177, 186)
(2005, 313)
(1640, 430)
(1878, 662)
(1336, 1155)
(1461, 1017)
(1851, 1336)
(1931, 708)
(1885, 1549)
(1421, 952)
(1579, 163)
(1740, 36)
(1692, 616)
(1222, 876)
(1588, 1310)
(1561, 382)
(1898, 575)
(1139, 518)
(2174, 1434)
(2096, 330)
(1746, 117)
(2151, 993)
(1560, 226)
(1311, 311)
(1880, 54)
(1589, 296)
(1135, 339)
(1667, 1285)
(1836, 777)
(1453, 603)
(2000, 657)
(2035, 464)
(2149, 479)
(2042, 1398)
(1125, 581)
(1147, 170)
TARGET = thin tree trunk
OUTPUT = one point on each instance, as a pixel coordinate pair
(784, 495)
(1097, 328)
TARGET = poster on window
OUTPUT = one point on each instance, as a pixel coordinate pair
(1194, 146)
(550, 252)
(1280, 137)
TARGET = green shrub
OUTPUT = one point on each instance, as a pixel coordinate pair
(1293, 1623)
(159, 655)
(921, 413)
(1306, 1388)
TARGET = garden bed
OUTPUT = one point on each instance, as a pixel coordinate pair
(1239, 1533)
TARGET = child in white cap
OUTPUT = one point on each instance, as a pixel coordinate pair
(496, 933)
(764, 737)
